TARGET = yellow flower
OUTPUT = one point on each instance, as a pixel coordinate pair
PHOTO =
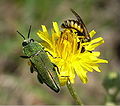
(71, 59)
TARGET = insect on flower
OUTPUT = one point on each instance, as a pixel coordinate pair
(46, 70)
(79, 27)
(72, 61)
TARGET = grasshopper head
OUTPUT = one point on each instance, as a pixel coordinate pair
(26, 42)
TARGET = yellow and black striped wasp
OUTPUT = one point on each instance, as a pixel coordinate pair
(79, 26)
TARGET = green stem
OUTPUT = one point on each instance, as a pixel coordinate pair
(73, 93)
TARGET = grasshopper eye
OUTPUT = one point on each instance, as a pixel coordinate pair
(24, 43)
(31, 40)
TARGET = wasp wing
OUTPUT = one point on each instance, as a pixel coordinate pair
(80, 21)
(77, 16)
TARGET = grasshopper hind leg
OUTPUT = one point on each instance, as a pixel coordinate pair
(40, 78)
(31, 69)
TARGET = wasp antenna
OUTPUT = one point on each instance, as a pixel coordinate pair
(29, 31)
(76, 14)
(21, 35)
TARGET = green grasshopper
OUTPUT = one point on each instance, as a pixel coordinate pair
(46, 70)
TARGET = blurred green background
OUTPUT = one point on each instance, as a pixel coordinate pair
(19, 87)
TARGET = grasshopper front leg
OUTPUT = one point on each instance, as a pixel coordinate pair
(56, 67)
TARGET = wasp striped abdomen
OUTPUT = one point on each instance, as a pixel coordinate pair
(79, 26)
(72, 24)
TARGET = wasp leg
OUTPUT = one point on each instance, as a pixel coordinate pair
(82, 49)
(89, 51)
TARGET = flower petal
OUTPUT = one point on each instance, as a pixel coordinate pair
(56, 28)
(92, 33)
(82, 74)
(45, 36)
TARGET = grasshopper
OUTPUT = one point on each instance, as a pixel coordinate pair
(40, 62)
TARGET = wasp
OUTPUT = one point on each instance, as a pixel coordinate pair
(79, 26)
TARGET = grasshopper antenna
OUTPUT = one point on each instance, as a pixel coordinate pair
(29, 31)
(21, 35)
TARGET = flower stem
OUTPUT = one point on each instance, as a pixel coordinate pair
(73, 93)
